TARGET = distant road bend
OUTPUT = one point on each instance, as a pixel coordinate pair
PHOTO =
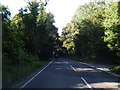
(65, 73)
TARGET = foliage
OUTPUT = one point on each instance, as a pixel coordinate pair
(67, 37)
(13, 74)
(115, 69)
(112, 26)
(28, 38)
(31, 31)
(13, 46)
(31, 35)
(94, 31)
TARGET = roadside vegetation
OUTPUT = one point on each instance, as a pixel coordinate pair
(93, 35)
(13, 74)
(29, 41)
(30, 38)
(116, 69)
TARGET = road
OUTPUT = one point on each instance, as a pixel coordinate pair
(65, 73)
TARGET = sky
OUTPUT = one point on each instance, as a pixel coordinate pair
(63, 10)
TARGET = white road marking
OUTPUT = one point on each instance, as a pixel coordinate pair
(81, 77)
(70, 66)
(86, 83)
(35, 75)
(99, 69)
(73, 68)
(67, 62)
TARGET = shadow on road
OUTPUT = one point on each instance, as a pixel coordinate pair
(96, 78)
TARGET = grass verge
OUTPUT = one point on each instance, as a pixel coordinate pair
(12, 74)
(93, 60)
(99, 61)
(115, 69)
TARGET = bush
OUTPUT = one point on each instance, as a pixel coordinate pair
(115, 69)
(12, 74)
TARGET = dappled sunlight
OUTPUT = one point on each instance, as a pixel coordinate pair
(79, 86)
(86, 69)
(62, 68)
(98, 85)
(106, 69)
(59, 62)
(105, 85)
(60, 43)
(58, 68)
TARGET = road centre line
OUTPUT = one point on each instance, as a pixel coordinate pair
(72, 68)
(67, 63)
(86, 83)
(70, 65)
(81, 77)
(35, 75)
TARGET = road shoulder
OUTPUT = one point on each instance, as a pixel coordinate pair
(104, 68)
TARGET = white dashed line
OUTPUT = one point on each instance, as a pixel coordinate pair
(67, 62)
(86, 83)
(35, 75)
(70, 66)
(81, 77)
(73, 68)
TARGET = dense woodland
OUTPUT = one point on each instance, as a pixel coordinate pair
(29, 40)
(94, 32)
(30, 33)
(30, 36)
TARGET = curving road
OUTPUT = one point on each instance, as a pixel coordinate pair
(65, 73)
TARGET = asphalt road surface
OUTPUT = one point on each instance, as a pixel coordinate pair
(65, 73)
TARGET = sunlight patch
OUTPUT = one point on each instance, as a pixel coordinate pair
(80, 86)
(86, 69)
(105, 85)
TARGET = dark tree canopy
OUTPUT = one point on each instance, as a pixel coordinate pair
(30, 32)
(94, 31)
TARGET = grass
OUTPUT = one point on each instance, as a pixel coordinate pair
(116, 69)
(12, 74)
(93, 60)
(101, 61)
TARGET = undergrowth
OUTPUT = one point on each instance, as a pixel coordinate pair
(12, 74)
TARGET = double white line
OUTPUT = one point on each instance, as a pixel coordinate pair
(81, 77)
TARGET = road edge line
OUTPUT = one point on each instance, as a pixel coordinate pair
(101, 69)
(35, 75)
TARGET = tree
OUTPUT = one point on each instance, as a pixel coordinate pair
(30, 32)
(85, 32)
(112, 26)
(94, 31)
(13, 46)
